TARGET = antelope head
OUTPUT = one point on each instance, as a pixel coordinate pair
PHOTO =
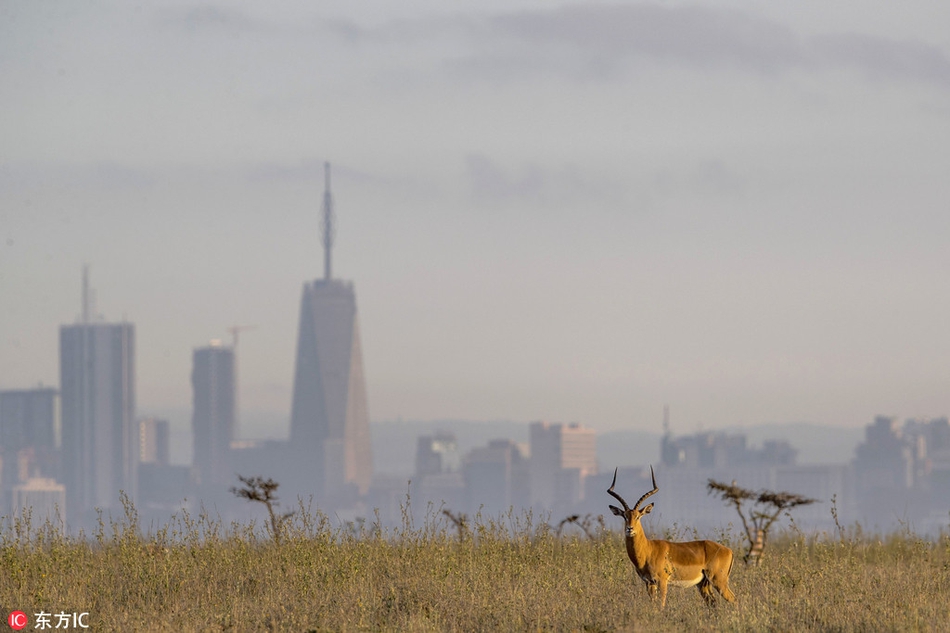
(632, 516)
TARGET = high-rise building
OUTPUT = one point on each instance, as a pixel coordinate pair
(496, 478)
(438, 478)
(562, 456)
(28, 431)
(436, 454)
(154, 441)
(214, 413)
(329, 427)
(99, 434)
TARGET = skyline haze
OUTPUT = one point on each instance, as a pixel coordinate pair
(573, 212)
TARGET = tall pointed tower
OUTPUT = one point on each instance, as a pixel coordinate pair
(329, 423)
(100, 436)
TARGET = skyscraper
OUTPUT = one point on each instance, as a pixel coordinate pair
(154, 441)
(214, 413)
(28, 435)
(329, 428)
(99, 434)
(562, 456)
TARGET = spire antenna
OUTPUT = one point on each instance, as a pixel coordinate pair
(88, 297)
(85, 293)
(327, 228)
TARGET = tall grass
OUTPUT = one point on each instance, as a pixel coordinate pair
(512, 574)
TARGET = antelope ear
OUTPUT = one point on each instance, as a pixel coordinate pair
(648, 509)
(616, 510)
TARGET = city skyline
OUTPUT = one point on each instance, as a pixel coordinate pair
(574, 212)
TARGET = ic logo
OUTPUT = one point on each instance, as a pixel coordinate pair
(17, 620)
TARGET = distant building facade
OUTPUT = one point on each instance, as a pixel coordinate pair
(906, 469)
(716, 449)
(99, 434)
(562, 457)
(154, 441)
(496, 479)
(43, 498)
(28, 435)
(438, 477)
(688, 462)
(436, 454)
(213, 418)
(329, 417)
(329, 420)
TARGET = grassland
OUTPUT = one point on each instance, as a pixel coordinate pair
(513, 575)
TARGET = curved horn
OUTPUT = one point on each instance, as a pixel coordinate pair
(655, 488)
(616, 496)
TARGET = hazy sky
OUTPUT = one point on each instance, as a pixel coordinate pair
(573, 212)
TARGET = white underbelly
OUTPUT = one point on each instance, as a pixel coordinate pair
(686, 582)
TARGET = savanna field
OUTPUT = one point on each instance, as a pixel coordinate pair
(516, 574)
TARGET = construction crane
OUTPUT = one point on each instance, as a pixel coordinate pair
(237, 329)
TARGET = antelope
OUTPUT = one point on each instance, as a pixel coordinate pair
(661, 563)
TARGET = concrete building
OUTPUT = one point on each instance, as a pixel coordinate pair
(43, 498)
(329, 426)
(714, 449)
(436, 454)
(496, 479)
(99, 433)
(562, 457)
(438, 477)
(213, 419)
(883, 468)
(688, 463)
(904, 468)
(154, 441)
(29, 430)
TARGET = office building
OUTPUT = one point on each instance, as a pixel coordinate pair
(28, 434)
(496, 479)
(99, 433)
(562, 456)
(213, 418)
(329, 427)
(436, 454)
(154, 441)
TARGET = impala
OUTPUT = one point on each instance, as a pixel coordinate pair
(662, 563)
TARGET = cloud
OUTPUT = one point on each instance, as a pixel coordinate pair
(881, 57)
(587, 41)
(208, 16)
(595, 40)
(696, 36)
(706, 179)
(491, 184)
(104, 175)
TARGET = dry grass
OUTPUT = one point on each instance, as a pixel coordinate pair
(514, 576)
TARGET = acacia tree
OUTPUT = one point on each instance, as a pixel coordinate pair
(763, 509)
(264, 491)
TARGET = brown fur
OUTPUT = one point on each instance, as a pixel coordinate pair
(659, 563)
